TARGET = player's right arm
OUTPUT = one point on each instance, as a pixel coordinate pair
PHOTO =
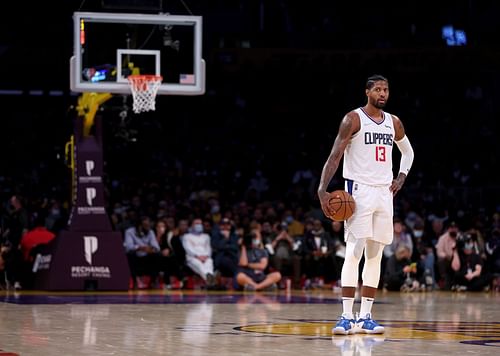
(349, 125)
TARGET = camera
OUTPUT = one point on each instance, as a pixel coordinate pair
(462, 239)
(282, 226)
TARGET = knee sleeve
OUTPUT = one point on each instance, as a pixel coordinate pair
(353, 252)
(373, 259)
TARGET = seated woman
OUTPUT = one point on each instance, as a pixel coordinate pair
(253, 263)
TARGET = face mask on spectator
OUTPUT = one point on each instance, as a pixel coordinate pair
(289, 219)
(418, 233)
(469, 246)
(255, 243)
(198, 228)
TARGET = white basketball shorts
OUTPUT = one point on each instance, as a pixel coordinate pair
(373, 216)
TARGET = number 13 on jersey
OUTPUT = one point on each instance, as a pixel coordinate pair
(380, 153)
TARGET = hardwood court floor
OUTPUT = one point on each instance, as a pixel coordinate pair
(224, 323)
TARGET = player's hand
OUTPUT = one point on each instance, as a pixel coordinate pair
(324, 198)
(397, 184)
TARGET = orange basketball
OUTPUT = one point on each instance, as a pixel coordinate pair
(343, 204)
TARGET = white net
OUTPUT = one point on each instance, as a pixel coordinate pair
(144, 89)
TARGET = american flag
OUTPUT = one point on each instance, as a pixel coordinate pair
(186, 79)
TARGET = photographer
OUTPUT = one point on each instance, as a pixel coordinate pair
(253, 264)
(287, 257)
(478, 241)
(400, 272)
(468, 266)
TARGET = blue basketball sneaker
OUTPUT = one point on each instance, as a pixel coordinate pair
(344, 326)
(368, 326)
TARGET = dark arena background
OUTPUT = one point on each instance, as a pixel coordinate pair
(245, 157)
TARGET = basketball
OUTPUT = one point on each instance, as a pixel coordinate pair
(343, 204)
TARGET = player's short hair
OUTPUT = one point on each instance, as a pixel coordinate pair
(370, 82)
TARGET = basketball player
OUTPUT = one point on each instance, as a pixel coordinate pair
(365, 139)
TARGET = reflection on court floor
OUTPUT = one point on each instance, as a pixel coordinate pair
(223, 323)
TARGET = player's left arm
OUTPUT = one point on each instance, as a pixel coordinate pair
(407, 155)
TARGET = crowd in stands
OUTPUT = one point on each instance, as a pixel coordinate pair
(260, 244)
(250, 167)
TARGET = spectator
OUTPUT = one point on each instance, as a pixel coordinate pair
(423, 254)
(401, 237)
(143, 252)
(318, 262)
(259, 185)
(225, 248)
(285, 259)
(493, 252)
(169, 259)
(445, 250)
(467, 265)
(198, 249)
(295, 226)
(253, 263)
(400, 273)
(16, 225)
(478, 242)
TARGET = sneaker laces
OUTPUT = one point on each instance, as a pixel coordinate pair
(368, 322)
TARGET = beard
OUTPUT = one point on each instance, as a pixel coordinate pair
(378, 104)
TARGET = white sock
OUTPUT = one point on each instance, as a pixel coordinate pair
(347, 304)
(366, 307)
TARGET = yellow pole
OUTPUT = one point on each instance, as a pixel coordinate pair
(69, 151)
(88, 103)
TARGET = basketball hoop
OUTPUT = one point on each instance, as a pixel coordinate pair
(144, 89)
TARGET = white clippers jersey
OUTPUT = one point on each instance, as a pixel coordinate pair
(368, 155)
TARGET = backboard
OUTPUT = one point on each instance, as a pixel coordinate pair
(110, 46)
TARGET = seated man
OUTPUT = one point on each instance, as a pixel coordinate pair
(253, 263)
(143, 252)
(318, 261)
